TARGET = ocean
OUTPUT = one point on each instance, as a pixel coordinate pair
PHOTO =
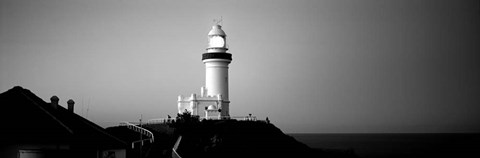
(398, 145)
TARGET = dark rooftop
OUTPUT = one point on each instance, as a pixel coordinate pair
(26, 118)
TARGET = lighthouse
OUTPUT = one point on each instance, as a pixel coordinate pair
(216, 62)
(213, 101)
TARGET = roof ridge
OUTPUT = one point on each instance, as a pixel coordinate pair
(96, 127)
(63, 117)
(46, 111)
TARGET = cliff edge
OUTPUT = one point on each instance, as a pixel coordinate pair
(233, 138)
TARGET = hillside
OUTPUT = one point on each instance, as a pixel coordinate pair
(226, 138)
(231, 138)
(161, 147)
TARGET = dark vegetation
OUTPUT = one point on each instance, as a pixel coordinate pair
(222, 138)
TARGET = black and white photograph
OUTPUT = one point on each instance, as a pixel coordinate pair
(239, 78)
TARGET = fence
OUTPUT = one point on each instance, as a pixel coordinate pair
(140, 130)
(238, 118)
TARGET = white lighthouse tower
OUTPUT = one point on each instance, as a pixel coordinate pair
(216, 62)
(213, 101)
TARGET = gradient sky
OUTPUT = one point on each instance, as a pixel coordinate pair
(310, 66)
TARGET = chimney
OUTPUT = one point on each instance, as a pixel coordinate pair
(70, 104)
(54, 101)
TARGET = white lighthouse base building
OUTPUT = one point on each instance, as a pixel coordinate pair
(203, 105)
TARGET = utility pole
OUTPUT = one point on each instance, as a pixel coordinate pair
(141, 139)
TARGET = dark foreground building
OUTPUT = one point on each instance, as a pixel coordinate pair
(33, 128)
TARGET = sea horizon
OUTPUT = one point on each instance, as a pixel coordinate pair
(382, 133)
(395, 144)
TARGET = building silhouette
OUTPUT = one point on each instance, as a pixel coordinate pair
(33, 128)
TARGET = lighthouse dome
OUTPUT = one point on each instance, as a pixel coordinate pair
(212, 107)
(216, 30)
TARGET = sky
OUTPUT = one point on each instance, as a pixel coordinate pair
(326, 66)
